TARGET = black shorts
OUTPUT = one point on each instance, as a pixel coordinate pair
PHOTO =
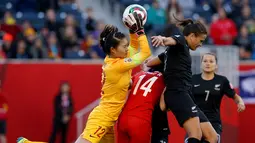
(181, 104)
(2, 127)
(160, 121)
(217, 127)
(202, 116)
(159, 138)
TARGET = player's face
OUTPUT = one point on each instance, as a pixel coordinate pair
(122, 50)
(209, 64)
(196, 41)
(65, 88)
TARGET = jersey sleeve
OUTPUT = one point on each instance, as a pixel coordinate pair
(178, 37)
(134, 45)
(228, 88)
(162, 57)
(136, 59)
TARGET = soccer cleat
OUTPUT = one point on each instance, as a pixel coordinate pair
(21, 140)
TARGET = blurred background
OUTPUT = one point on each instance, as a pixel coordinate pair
(50, 48)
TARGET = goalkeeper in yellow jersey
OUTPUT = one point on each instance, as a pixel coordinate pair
(121, 58)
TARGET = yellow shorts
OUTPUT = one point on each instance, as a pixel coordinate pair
(97, 129)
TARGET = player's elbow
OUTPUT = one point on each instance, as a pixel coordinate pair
(153, 62)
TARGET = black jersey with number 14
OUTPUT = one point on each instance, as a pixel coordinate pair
(208, 95)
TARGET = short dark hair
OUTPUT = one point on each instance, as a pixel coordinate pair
(189, 26)
(159, 68)
(110, 37)
(212, 54)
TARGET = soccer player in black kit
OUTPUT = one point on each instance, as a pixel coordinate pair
(178, 78)
(208, 90)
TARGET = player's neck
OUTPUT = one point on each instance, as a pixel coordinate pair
(207, 76)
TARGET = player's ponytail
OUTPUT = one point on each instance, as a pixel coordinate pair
(189, 26)
(110, 38)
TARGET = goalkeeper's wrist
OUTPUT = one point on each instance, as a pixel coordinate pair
(140, 32)
(131, 32)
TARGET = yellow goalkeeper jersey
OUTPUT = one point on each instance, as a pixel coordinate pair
(116, 78)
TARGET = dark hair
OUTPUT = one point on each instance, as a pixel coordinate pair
(159, 68)
(191, 27)
(62, 83)
(110, 37)
(212, 54)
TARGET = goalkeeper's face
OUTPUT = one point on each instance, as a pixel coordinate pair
(121, 51)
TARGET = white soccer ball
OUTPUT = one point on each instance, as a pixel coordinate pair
(138, 9)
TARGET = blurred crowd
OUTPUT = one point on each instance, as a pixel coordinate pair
(55, 29)
(59, 29)
(229, 22)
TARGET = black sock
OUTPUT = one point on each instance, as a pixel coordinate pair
(193, 140)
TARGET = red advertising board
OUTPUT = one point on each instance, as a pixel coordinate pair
(30, 89)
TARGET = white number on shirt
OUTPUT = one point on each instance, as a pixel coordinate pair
(146, 86)
(207, 94)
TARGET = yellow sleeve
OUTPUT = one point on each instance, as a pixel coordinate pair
(136, 59)
(134, 45)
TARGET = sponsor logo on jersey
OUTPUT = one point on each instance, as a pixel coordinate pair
(196, 85)
(127, 60)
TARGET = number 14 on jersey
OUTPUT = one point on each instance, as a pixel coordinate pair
(146, 86)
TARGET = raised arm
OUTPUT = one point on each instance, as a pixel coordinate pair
(138, 58)
(134, 44)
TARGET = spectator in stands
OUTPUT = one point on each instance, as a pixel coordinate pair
(7, 45)
(90, 21)
(3, 114)
(69, 39)
(226, 27)
(245, 16)
(9, 25)
(63, 107)
(244, 43)
(70, 21)
(235, 10)
(99, 28)
(208, 40)
(156, 17)
(54, 51)
(95, 51)
(26, 25)
(43, 34)
(21, 52)
(30, 36)
(38, 50)
(173, 8)
(248, 19)
(51, 22)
